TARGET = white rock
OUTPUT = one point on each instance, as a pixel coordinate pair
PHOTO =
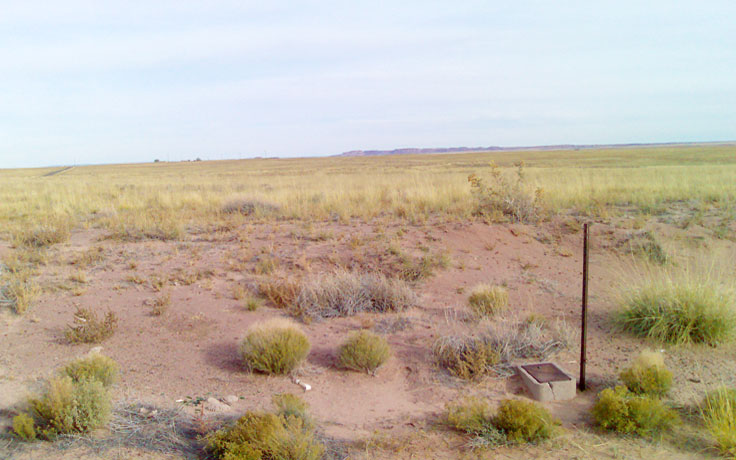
(95, 350)
(215, 405)
(231, 399)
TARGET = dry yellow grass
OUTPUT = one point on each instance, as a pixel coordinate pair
(160, 200)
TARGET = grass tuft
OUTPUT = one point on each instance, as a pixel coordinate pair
(276, 346)
(719, 417)
(364, 351)
(487, 300)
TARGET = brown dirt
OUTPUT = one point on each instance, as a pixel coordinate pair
(191, 350)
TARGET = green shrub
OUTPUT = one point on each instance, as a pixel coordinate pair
(267, 436)
(648, 375)
(89, 328)
(93, 367)
(471, 415)
(515, 421)
(24, 427)
(523, 421)
(364, 351)
(466, 357)
(487, 300)
(70, 407)
(621, 411)
(679, 312)
(719, 417)
(276, 346)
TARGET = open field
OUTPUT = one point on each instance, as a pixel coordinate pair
(186, 257)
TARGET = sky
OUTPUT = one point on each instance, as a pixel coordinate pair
(85, 82)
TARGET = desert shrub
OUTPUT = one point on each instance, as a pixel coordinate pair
(364, 351)
(505, 198)
(93, 367)
(466, 357)
(44, 235)
(472, 415)
(250, 206)
(276, 346)
(347, 293)
(70, 407)
(514, 422)
(89, 328)
(487, 300)
(690, 311)
(513, 339)
(24, 427)
(648, 375)
(624, 412)
(719, 417)
(286, 435)
(281, 292)
(522, 421)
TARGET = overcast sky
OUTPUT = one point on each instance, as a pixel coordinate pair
(127, 81)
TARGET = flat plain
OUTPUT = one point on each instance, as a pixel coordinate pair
(188, 256)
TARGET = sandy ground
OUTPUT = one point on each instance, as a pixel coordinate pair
(191, 350)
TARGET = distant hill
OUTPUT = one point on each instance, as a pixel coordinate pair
(495, 148)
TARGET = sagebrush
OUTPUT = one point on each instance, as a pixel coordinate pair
(624, 412)
(268, 436)
(648, 375)
(95, 366)
(67, 407)
(364, 351)
(276, 346)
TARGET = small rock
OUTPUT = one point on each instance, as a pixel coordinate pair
(95, 350)
(215, 405)
(231, 399)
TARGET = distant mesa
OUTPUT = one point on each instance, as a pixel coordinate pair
(495, 148)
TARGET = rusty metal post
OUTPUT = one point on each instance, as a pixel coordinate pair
(584, 319)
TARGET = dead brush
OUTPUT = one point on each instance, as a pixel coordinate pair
(160, 304)
(348, 293)
(506, 198)
(281, 292)
(499, 344)
(89, 328)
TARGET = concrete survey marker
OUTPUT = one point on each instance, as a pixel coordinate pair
(547, 382)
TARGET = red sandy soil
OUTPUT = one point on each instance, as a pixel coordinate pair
(192, 349)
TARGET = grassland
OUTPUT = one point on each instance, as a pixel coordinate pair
(180, 195)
